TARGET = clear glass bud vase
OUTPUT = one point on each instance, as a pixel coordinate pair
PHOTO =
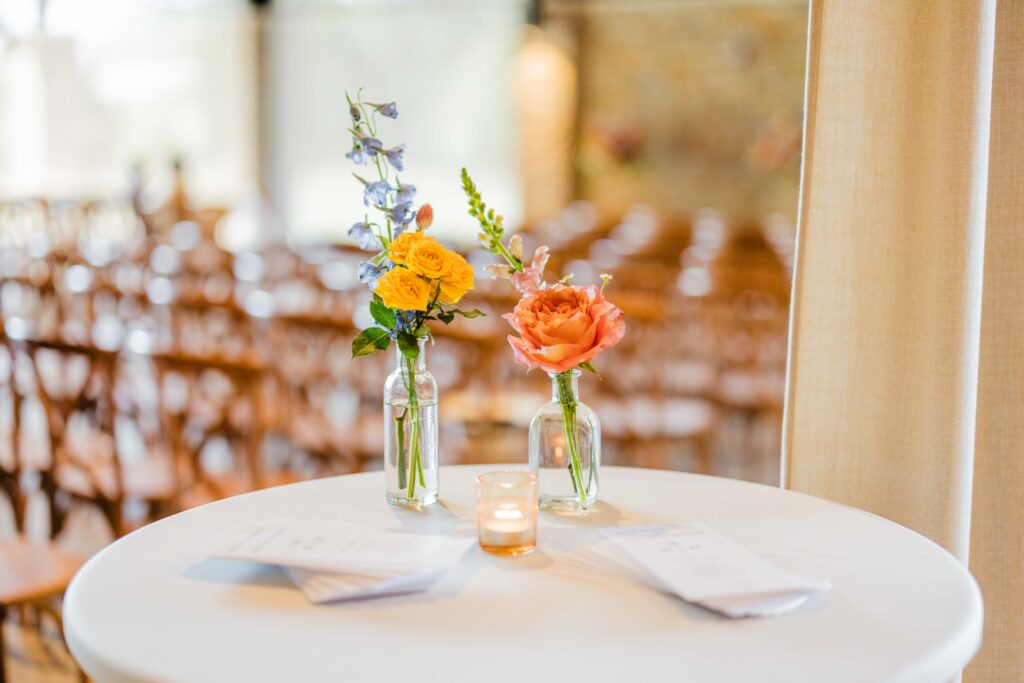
(410, 432)
(565, 447)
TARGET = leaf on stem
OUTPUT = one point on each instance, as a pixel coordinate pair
(382, 314)
(589, 367)
(474, 313)
(370, 340)
(408, 345)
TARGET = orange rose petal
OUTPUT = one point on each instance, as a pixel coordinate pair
(581, 330)
(521, 353)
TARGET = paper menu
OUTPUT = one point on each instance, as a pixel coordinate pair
(330, 546)
(701, 565)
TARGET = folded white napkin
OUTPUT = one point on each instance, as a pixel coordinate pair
(336, 561)
(698, 565)
(323, 587)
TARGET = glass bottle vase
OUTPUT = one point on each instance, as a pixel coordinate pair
(565, 447)
(410, 432)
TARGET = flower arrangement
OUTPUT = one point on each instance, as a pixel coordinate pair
(414, 279)
(561, 326)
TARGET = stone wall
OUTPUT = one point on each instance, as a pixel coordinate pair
(689, 103)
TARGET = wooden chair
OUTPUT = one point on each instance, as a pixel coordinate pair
(75, 386)
(179, 207)
(212, 361)
(20, 221)
(10, 464)
(311, 370)
(32, 574)
(743, 310)
(208, 399)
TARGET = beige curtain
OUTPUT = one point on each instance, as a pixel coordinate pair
(906, 386)
(997, 525)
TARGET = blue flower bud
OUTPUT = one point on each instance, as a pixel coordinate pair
(357, 153)
(406, 193)
(394, 156)
(389, 110)
(401, 214)
(364, 234)
(369, 274)
(372, 145)
(376, 194)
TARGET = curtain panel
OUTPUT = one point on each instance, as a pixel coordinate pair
(905, 394)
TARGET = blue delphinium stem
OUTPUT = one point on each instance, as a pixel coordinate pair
(395, 203)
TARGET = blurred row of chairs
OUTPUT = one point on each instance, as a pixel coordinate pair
(145, 369)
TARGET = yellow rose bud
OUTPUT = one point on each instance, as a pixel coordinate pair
(402, 289)
(458, 281)
(398, 251)
(428, 258)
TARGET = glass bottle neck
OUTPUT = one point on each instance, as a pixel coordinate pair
(565, 386)
(420, 364)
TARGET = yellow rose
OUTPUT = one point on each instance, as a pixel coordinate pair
(458, 281)
(428, 258)
(402, 289)
(398, 251)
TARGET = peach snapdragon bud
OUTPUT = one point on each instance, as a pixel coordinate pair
(515, 247)
(424, 217)
(499, 271)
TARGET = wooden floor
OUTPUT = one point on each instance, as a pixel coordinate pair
(35, 658)
(38, 655)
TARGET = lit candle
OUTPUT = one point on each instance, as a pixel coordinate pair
(506, 512)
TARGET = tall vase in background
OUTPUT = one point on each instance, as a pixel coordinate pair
(565, 447)
(410, 431)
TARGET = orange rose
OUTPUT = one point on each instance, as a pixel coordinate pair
(428, 258)
(398, 251)
(458, 281)
(563, 326)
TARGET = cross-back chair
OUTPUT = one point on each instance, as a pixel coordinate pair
(33, 573)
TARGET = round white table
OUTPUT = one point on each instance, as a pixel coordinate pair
(151, 607)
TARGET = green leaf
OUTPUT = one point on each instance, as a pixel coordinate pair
(446, 317)
(589, 367)
(408, 345)
(475, 313)
(370, 340)
(422, 330)
(382, 314)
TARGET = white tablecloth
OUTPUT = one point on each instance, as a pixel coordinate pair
(151, 607)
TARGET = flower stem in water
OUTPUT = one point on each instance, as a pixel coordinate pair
(568, 402)
(415, 467)
(399, 419)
